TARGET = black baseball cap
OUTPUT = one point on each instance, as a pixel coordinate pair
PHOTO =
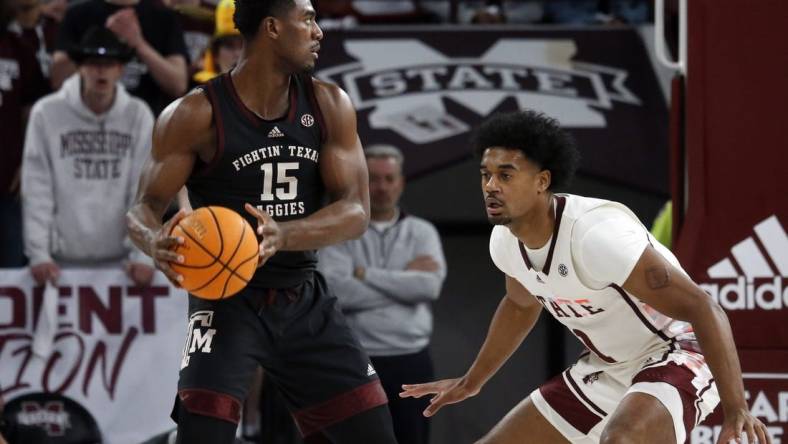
(99, 42)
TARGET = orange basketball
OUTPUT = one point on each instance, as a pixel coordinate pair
(219, 250)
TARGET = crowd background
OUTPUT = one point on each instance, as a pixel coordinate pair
(178, 44)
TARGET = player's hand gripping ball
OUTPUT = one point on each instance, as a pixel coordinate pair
(220, 252)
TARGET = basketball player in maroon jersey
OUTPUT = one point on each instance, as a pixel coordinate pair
(255, 140)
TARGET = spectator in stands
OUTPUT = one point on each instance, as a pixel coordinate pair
(376, 11)
(21, 84)
(514, 11)
(84, 150)
(335, 14)
(54, 10)
(226, 47)
(572, 12)
(196, 18)
(386, 282)
(158, 74)
(633, 12)
(491, 13)
(591, 12)
(36, 23)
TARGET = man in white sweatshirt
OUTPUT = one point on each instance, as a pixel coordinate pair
(84, 149)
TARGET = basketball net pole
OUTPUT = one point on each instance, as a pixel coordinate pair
(677, 127)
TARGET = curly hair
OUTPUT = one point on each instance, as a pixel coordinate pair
(250, 13)
(537, 136)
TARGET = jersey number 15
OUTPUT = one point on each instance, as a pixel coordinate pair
(289, 188)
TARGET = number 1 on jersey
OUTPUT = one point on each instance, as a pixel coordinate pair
(290, 189)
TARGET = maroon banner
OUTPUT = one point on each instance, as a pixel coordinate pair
(733, 238)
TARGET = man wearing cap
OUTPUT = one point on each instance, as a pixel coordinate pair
(84, 149)
(157, 73)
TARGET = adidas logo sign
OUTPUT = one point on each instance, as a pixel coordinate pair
(275, 133)
(757, 268)
(370, 370)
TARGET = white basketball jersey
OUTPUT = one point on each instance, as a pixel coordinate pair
(610, 322)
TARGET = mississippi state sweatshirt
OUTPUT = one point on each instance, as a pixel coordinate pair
(80, 172)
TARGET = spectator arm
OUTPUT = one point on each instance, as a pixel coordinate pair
(169, 72)
(353, 294)
(62, 67)
(38, 199)
(413, 286)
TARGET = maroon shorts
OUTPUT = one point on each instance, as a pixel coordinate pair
(578, 402)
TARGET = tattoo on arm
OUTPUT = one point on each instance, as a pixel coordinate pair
(657, 277)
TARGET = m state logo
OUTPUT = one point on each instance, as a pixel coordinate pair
(51, 416)
(406, 80)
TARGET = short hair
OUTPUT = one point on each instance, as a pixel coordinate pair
(381, 151)
(250, 13)
(536, 135)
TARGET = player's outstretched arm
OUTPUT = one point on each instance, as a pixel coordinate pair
(182, 130)
(513, 320)
(344, 172)
(657, 283)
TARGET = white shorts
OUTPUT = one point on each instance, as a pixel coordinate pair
(578, 402)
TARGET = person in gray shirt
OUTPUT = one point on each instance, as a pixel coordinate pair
(386, 282)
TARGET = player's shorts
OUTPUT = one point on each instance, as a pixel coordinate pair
(578, 402)
(300, 339)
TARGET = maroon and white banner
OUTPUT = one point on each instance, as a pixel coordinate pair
(732, 239)
(766, 390)
(116, 350)
(747, 278)
(425, 89)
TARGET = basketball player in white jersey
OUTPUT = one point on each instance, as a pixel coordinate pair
(593, 266)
